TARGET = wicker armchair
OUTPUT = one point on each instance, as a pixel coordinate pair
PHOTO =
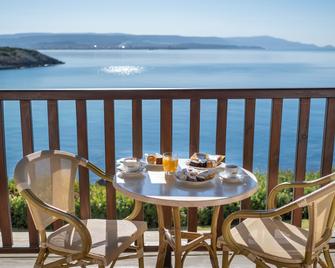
(264, 239)
(46, 181)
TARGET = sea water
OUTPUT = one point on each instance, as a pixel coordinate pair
(173, 69)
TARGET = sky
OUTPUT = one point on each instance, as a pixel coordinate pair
(309, 21)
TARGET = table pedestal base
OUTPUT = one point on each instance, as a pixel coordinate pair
(173, 237)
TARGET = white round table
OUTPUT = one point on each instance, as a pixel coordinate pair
(153, 186)
(157, 188)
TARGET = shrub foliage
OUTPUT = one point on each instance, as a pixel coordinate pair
(125, 204)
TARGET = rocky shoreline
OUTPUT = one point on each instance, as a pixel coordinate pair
(15, 58)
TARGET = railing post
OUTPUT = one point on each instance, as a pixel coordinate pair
(301, 153)
(28, 147)
(274, 150)
(110, 156)
(166, 146)
(137, 128)
(5, 218)
(54, 144)
(192, 213)
(221, 126)
(221, 133)
(328, 138)
(248, 141)
(137, 136)
(166, 125)
(53, 125)
(82, 143)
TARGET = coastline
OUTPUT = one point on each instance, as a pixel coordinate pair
(17, 58)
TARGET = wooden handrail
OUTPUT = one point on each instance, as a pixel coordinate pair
(182, 93)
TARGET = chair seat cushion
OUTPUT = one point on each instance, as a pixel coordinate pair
(271, 239)
(109, 238)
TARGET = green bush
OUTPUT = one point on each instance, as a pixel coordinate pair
(18, 212)
(125, 205)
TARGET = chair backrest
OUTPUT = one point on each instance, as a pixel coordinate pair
(321, 213)
(50, 175)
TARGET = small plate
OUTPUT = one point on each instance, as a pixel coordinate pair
(122, 168)
(151, 165)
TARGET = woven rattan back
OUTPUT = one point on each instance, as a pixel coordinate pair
(321, 206)
(50, 175)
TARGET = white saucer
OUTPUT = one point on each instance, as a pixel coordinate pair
(226, 177)
(124, 172)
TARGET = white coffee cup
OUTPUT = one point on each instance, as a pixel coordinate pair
(231, 169)
(131, 164)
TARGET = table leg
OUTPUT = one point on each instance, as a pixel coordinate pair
(213, 253)
(167, 224)
(177, 237)
(220, 221)
(162, 247)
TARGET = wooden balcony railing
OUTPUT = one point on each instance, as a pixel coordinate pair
(166, 97)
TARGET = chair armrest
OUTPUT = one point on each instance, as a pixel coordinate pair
(99, 172)
(297, 184)
(62, 215)
(226, 226)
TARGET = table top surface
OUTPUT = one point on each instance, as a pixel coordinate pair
(157, 188)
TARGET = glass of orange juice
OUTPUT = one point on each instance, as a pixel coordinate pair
(170, 163)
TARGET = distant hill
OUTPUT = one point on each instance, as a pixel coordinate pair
(128, 41)
(11, 58)
(273, 43)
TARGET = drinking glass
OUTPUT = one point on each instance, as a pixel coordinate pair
(170, 163)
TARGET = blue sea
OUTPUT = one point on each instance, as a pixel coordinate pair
(173, 68)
